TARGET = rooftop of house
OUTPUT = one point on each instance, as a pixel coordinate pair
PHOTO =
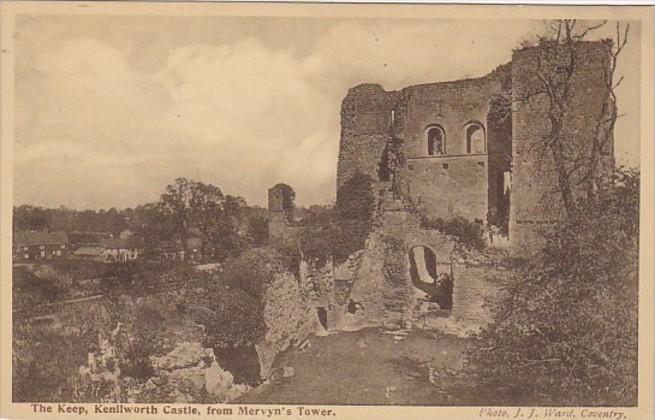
(89, 251)
(32, 238)
(131, 242)
(192, 243)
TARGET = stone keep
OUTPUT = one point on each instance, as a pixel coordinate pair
(468, 144)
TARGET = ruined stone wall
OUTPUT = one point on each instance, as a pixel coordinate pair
(499, 147)
(535, 200)
(471, 291)
(381, 299)
(450, 186)
(476, 295)
(289, 319)
(449, 104)
(365, 130)
(456, 183)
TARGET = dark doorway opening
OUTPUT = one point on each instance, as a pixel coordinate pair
(322, 317)
(425, 277)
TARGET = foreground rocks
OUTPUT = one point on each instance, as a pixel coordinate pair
(190, 373)
(187, 374)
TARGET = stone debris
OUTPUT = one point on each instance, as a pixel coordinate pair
(288, 372)
(188, 374)
(361, 343)
(304, 345)
(184, 355)
(388, 391)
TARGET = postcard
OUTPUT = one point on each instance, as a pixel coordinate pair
(384, 211)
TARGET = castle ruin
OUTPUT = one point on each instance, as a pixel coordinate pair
(466, 148)
(469, 145)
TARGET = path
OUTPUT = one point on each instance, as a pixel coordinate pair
(363, 367)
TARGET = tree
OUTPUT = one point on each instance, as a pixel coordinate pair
(232, 308)
(258, 230)
(190, 203)
(30, 218)
(567, 334)
(577, 161)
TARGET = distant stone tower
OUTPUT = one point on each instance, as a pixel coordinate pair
(280, 210)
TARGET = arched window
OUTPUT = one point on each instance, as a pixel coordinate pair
(436, 141)
(475, 138)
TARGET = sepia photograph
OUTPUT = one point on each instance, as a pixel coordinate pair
(215, 212)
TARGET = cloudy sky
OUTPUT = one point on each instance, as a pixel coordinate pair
(111, 109)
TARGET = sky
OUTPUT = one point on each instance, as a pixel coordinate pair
(111, 109)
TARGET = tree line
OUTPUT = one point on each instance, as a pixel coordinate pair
(187, 208)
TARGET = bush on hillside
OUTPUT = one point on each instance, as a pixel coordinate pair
(46, 362)
(258, 230)
(469, 235)
(568, 333)
(251, 271)
(340, 232)
(232, 307)
(355, 199)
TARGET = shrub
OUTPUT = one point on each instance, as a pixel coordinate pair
(342, 231)
(50, 283)
(355, 199)
(568, 333)
(251, 271)
(258, 230)
(147, 327)
(469, 235)
(239, 320)
(232, 308)
(320, 241)
(46, 363)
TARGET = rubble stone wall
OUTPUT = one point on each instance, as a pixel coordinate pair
(535, 200)
(365, 130)
(289, 318)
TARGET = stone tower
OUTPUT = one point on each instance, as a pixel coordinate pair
(280, 210)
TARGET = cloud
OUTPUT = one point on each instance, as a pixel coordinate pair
(397, 53)
(94, 131)
(228, 115)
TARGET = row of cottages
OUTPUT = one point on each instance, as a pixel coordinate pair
(174, 251)
(101, 247)
(121, 249)
(40, 245)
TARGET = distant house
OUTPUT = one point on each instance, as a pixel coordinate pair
(195, 249)
(40, 245)
(170, 251)
(90, 253)
(174, 251)
(122, 249)
(80, 239)
(126, 233)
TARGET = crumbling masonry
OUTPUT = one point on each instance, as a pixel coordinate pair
(469, 144)
(464, 148)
